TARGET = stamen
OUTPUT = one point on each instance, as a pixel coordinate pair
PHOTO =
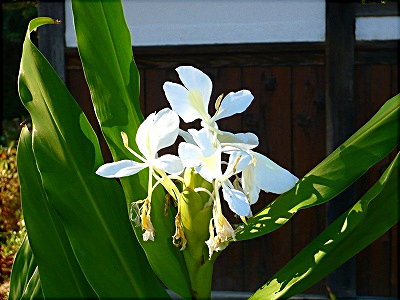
(167, 204)
(168, 184)
(125, 141)
(235, 164)
(218, 101)
(179, 239)
(176, 177)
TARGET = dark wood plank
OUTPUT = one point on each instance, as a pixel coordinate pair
(376, 52)
(229, 266)
(377, 9)
(155, 98)
(269, 117)
(51, 37)
(308, 134)
(340, 27)
(277, 111)
(380, 250)
(394, 274)
(373, 89)
(256, 271)
(142, 97)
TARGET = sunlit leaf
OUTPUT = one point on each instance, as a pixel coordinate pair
(334, 174)
(374, 214)
(113, 81)
(92, 209)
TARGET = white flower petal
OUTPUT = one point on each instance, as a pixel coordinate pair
(233, 103)
(204, 138)
(248, 185)
(210, 167)
(169, 163)
(186, 136)
(230, 140)
(189, 154)
(165, 129)
(143, 136)
(181, 100)
(120, 168)
(238, 161)
(198, 83)
(158, 131)
(237, 201)
(271, 177)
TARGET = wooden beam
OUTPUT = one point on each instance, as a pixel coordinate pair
(376, 9)
(340, 121)
(52, 37)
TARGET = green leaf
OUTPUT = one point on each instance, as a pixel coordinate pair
(92, 209)
(375, 213)
(22, 270)
(33, 289)
(334, 174)
(113, 81)
(59, 270)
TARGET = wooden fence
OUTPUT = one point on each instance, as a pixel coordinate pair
(288, 115)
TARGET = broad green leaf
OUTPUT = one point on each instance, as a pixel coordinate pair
(375, 213)
(113, 81)
(60, 272)
(92, 209)
(334, 174)
(33, 289)
(22, 270)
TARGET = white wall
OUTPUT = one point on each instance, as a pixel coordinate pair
(188, 22)
(378, 28)
(191, 22)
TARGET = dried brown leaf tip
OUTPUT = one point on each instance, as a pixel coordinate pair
(56, 21)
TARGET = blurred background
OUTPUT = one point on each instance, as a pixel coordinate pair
(318, 70)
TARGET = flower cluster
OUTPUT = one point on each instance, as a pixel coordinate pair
(240, 178)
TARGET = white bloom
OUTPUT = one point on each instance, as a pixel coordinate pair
(236, 199)
(262, 173)
(191, 100)
(221, 232)
(158, 131)
(204, 156)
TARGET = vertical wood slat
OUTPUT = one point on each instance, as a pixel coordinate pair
(253, 121)
(226, 80)
(372, 90)
(340, 41)
(394, 279)
(51, 37)
(276, 98)
(308, 130)
(270, 118)
(270, 254)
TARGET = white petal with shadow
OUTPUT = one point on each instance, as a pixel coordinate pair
(234, 103)
(237, 201)
(271, 177)
(120, 168)
(171, 164)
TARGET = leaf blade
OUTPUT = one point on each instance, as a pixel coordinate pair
(22, 270)
(67, 153)
(334, 174)
(118, 110)
(60, 272)
(364, 222)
